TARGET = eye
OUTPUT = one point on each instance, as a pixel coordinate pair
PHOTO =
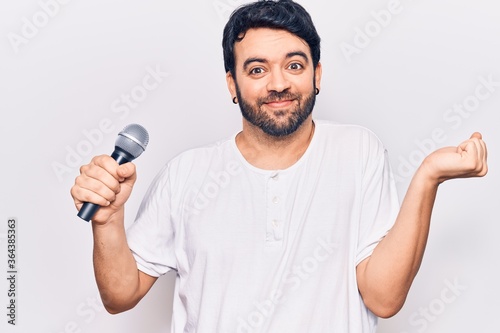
(256, 71)
(295, 66)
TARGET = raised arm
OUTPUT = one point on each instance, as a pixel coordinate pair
(109, 185)
(385, 277)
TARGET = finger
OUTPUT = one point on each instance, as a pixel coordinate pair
(484, 150)
(107, 163)
(476, 135)
(484, 158)
(478, 157)
(105, 186)
(479, 149)
(107, 177)
(83, 194)
(127, 171)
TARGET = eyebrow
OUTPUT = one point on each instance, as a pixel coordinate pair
(263, 60)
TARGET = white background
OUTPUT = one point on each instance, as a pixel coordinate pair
(70, 75)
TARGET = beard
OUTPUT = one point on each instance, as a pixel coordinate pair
(265, 121)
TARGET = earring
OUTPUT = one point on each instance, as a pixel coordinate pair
(316, 91)
(235, 101)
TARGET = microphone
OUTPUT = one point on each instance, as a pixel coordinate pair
(129, 144)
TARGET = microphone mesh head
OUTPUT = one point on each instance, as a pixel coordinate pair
(133, 139)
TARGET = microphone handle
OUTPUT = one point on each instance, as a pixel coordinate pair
(89, 209)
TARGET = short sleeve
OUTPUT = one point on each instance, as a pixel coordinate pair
(151, 236)
(379, 198)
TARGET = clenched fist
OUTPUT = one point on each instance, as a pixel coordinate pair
(105, 183)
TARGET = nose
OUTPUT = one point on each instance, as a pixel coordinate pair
(278, 81)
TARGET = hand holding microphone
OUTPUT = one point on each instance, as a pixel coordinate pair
(106, 182)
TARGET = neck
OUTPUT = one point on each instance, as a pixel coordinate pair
(272, 153)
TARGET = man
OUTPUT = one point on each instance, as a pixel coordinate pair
(291, 225)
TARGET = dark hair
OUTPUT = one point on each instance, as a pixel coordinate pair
(279, 14)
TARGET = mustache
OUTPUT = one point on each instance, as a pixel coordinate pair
(275, 96)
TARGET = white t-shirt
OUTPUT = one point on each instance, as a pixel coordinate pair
(269, 250)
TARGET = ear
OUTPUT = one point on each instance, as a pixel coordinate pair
(317, 75)
(231, 84)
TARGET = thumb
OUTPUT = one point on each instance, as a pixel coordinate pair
(476, 135)
(126, 170)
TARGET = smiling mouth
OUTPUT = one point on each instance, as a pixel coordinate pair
(280, 103)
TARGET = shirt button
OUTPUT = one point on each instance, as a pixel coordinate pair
(275, 177)
(275, 223)
(276, 200)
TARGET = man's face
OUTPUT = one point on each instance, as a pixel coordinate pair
(274, 80)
